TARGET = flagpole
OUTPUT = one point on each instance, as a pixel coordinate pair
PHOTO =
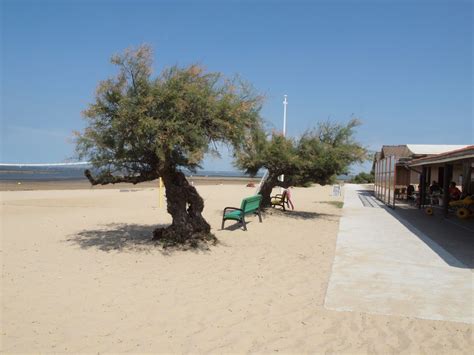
(285, 102)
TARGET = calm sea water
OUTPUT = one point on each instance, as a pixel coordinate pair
(55, 173)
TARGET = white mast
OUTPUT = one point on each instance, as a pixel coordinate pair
(285, 102)
(281, 177)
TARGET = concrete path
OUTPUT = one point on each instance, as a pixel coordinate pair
(383, 265)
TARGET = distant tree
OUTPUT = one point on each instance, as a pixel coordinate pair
(364, 178)
(317, 157)
(140, 128)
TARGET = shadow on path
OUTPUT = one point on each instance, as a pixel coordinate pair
(450, 238)
(368, 199)
(447, 237)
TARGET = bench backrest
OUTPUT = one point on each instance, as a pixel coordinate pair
(251, 204)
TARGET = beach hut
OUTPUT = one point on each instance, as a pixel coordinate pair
(394, 172)
(455, 165)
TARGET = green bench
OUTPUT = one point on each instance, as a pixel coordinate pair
(249, 205)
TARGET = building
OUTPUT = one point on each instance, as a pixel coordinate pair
(456, 165)
(394, 171)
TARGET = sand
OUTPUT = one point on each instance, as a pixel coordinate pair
(79, 275)
(84, 184)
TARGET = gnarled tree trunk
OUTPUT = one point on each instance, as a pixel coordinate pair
(267, 187)
(185, 206)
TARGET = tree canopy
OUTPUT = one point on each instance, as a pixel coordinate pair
(316, 157)
(364, 178)
(142, 127)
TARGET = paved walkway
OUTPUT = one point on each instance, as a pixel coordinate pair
(384, 265)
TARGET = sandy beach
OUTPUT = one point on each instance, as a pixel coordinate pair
(80, 275)
(84, 184)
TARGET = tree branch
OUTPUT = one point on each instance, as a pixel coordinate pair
(284, 184)
(108, 178)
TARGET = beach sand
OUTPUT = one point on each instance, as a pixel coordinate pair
(84, 184)
(80, 275)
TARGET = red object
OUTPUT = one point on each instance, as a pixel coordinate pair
(454, 193)
(288, 198)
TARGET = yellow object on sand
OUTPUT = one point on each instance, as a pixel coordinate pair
(160, 193)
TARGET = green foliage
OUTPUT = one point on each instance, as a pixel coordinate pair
(316, 157)
(140, 125)
(273, 153)
(363, 178)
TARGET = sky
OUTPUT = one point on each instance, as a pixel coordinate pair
(405, 68)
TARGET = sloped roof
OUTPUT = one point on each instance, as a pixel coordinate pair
(428, 149)
(457, 154)
(397, 150)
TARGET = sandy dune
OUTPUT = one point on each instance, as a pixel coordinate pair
(79, 275)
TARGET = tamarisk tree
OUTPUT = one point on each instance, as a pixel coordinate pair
(316, 157)
(141, 127)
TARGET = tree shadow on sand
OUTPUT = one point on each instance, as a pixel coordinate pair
(127, 238)
(302, 215)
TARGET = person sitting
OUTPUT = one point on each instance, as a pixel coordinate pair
(410, 192)
(435, 192)
(418, 195)
(434, 188)
(454, 192)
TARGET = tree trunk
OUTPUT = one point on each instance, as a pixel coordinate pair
(185, 206)
(266, 191)
(267, 187)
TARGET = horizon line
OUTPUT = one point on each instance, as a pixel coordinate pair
(44, 164)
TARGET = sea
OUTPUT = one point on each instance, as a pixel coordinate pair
(59, 172)
(17, 172)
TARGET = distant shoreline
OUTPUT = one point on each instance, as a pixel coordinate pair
(82, 184)
(74, 174)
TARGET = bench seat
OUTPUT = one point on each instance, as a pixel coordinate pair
(249, 205)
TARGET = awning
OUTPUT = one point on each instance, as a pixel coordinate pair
(455, 155)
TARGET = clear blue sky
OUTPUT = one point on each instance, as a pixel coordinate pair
(403, 67)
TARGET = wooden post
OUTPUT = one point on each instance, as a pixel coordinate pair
(422, 187)
(466, 177)
(160, 192)
(448, 172)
